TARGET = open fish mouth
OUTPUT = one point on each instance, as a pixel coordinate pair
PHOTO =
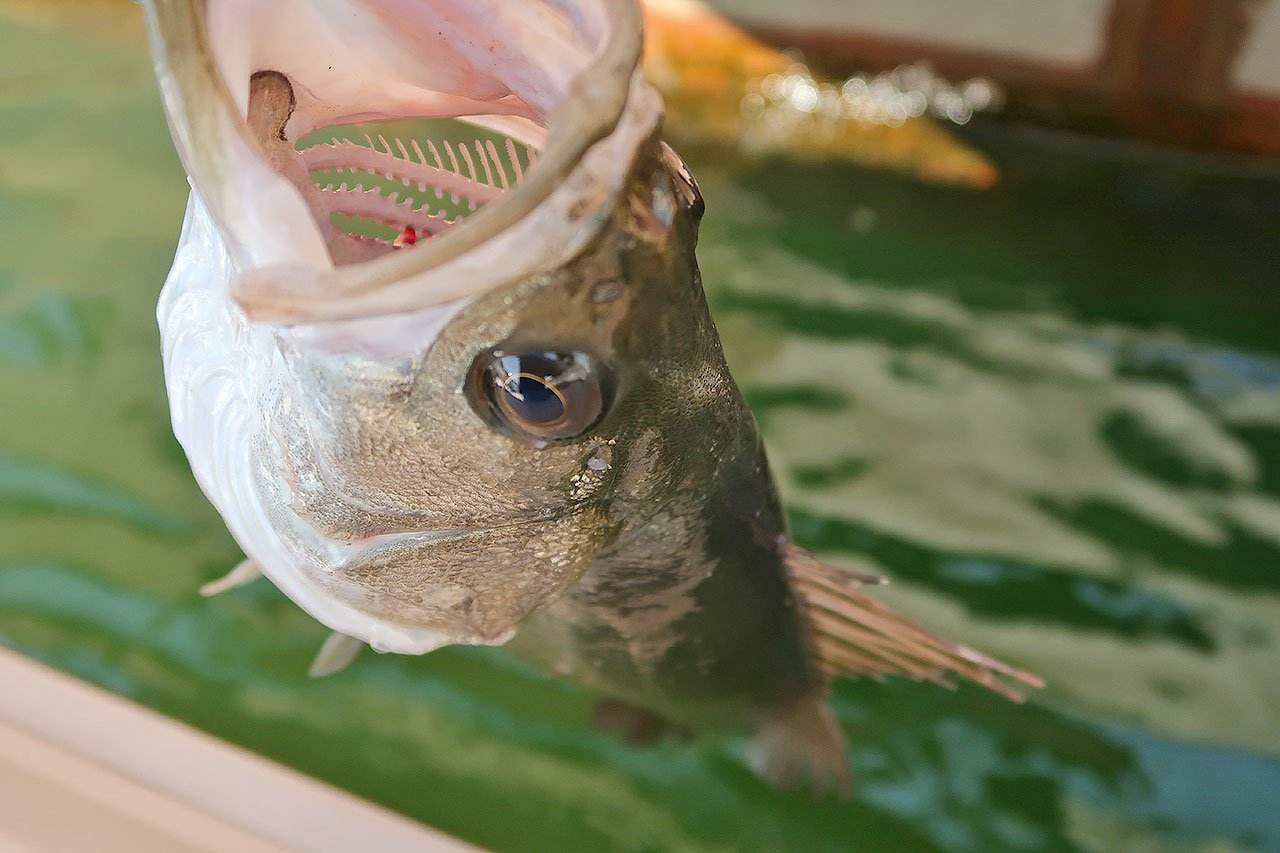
(540, 82)
(369, 197)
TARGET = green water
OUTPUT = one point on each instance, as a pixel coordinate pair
(1051, 413)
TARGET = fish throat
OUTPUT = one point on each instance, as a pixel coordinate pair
(376, 188)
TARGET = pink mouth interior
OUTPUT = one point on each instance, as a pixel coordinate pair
(304, 67)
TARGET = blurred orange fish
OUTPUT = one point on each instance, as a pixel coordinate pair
(715, 78)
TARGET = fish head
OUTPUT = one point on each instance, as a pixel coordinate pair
(444, 433)
(480, 473)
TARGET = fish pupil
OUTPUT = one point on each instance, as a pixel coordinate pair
(534, 399)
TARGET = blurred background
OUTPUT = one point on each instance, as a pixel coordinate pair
(1001, 281)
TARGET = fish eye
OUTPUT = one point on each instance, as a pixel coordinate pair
(542, 395)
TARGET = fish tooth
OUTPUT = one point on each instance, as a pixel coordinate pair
(484, 161)
(471, 165)
(435, 153)
(497, 165)
(515, 161)
(453, 158)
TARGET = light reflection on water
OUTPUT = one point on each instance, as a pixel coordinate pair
(1050, 413)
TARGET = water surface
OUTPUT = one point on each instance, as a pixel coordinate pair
(1050, 412)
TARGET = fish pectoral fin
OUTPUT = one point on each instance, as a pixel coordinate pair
(246, 571)
(336, 654)
(852, 634)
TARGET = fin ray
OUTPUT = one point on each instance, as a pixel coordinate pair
(336, 654)
(853, 634)
(245, 572)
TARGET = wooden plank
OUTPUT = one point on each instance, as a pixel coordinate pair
(52, 799)
(80, 764)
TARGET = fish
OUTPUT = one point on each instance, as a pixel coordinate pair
(498, 412)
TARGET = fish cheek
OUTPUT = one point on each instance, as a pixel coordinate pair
(474, 587)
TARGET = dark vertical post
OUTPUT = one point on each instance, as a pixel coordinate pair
(1168, 64)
